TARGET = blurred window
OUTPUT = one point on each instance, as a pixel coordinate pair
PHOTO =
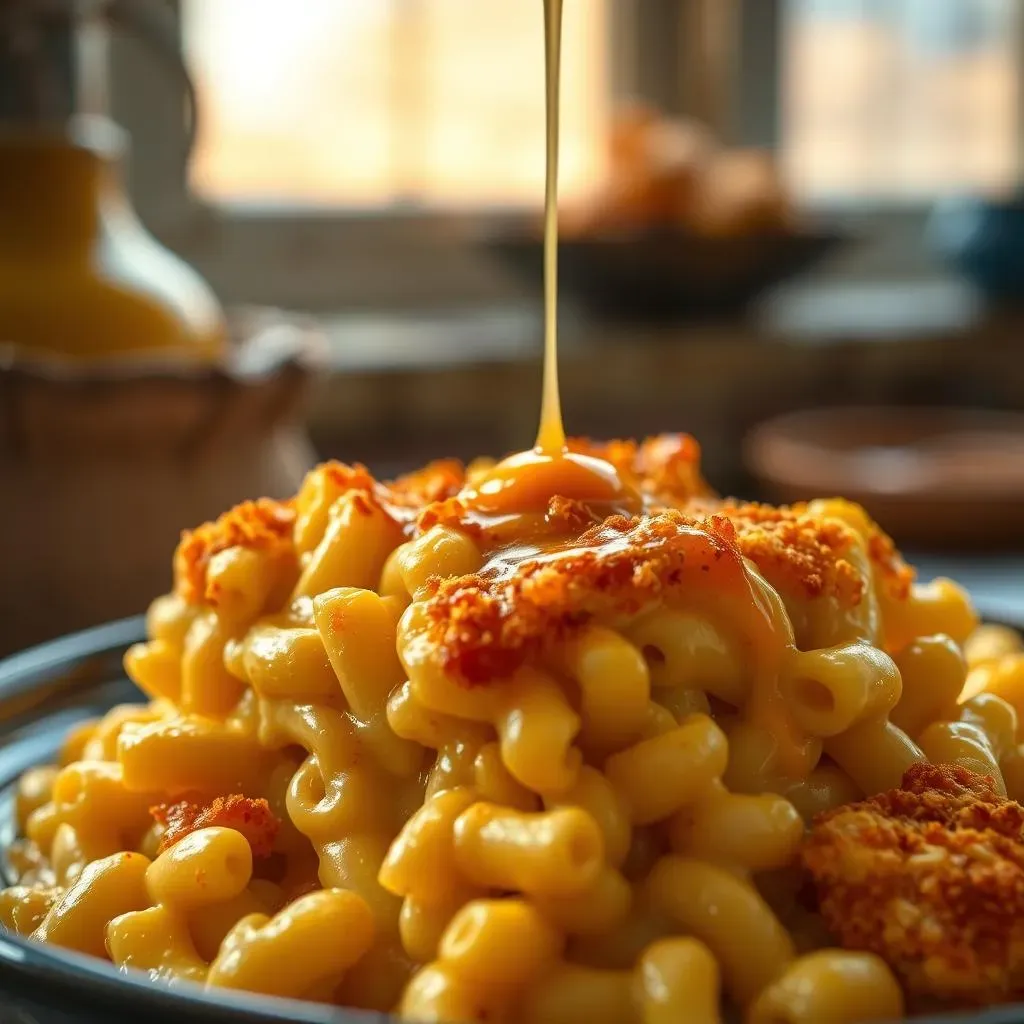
(374, 103)
(900, 99)
(338, 137)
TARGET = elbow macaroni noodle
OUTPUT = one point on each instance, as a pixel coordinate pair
(583, 832)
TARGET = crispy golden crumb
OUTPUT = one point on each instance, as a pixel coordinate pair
(344, 477)
(894, 574)
(437, 481)
(931, 878)
(253, 818)
(451, 512)
(261, 525)
(485, 626)
(799, 553)
(805, 556)
(666, 468)
(267, 524)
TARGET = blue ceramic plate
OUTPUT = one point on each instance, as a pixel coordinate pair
(43, 692)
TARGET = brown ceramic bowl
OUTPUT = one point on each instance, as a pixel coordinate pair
(938, 477)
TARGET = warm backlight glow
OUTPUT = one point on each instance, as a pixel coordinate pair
(368, 102)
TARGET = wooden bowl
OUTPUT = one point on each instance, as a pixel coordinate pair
(930, 476)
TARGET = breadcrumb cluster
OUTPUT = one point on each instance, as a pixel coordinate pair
(930, 877)
(253, 818)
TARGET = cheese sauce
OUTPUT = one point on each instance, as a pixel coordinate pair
(526, 482)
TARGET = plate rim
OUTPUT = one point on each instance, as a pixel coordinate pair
(58, 972)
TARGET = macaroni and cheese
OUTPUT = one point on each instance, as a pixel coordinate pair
(451, 747)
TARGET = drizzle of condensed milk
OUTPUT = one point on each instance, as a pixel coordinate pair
(526, 482)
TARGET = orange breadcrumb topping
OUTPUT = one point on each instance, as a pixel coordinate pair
(436, 481)
(666, 468)
(253, 818)
(453, 513)
(486, 625)
(344, 477)
(260, 525)
(570, 516)
(894, 574)
(803, 555)
(268, 524)
(930, 877)
(798, 552)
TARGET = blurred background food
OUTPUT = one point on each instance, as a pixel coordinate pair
(671, 173)
(681, 227)
(350, 158)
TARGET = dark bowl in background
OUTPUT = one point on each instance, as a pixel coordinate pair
(664, 275)
(931, 477)
(43, 692)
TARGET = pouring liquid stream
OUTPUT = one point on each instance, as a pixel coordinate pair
(551, 434)
(526, 482)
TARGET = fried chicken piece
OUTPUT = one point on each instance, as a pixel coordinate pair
(930, 877)
(253, 818)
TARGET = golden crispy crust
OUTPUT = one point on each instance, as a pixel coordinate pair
(485, 626)
(343, 477)
(804, 555)
(268, 525)
(253, 818)
(665, 468)
(893, 573)
(931, 878)
(436, 481)
(259, 525)
(450, 512)
(797, 552)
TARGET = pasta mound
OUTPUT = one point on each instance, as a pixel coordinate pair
(504, 754)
